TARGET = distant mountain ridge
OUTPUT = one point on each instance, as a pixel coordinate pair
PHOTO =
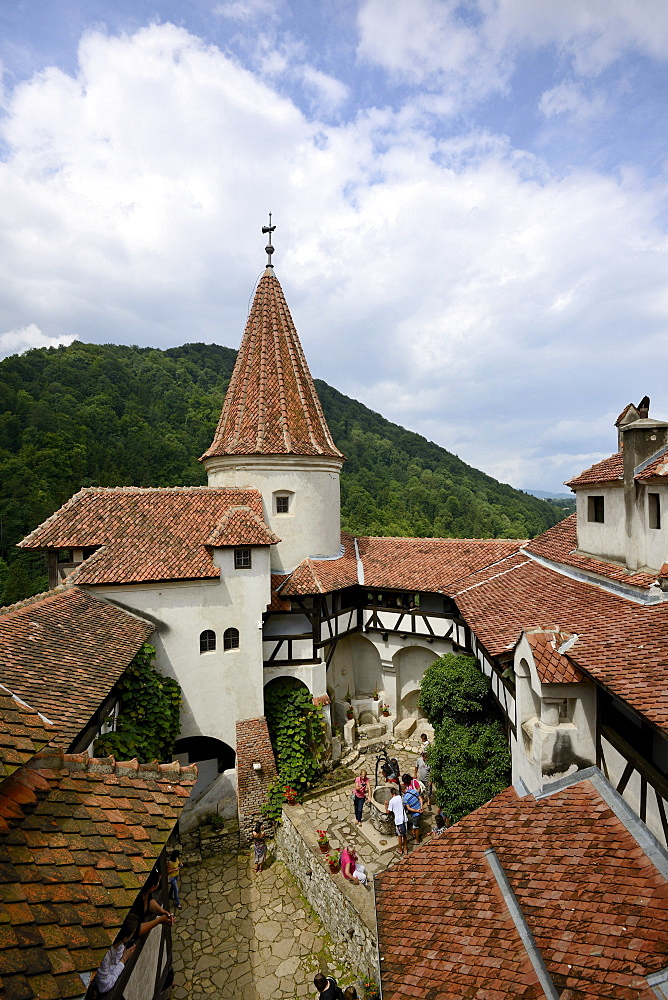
(110, 415)
(543, 495)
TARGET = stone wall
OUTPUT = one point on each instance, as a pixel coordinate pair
(351, 925)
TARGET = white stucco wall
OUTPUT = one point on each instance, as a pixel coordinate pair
(312, 526)
(607, 540)
(654, 553)
(218, 687)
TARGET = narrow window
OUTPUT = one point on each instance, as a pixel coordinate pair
(231, 638)
(207, 641)
(242, 558)
(282, 505)
(654, 505)
(596, 509)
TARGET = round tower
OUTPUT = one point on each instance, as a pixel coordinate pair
(272, 434)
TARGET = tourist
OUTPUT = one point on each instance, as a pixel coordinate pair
(352, 871)
(173, 869)
(439, 826)
(396, 807)
(326, 987)
(409, 782)
(424, 741)
(361, 794)
(423, 773)
(413, 804)
(350, 993)
(113, 963)
(259, 846)
(148, 910)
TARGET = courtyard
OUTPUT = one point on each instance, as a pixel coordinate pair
(254, 937)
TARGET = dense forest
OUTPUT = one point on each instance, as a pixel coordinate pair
(105, 415)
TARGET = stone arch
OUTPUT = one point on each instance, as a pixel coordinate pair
(410, 663)
(212, 757)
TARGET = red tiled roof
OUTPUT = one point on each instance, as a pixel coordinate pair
(608, 471)
(658, 467)
(271, 406)
(23, 732)
(278, 603)
(428, 563)
(593, 902)
(622, 644)
(147, 534)
(559, 544)
(78, 837)
(551, 665)
(62, 653)
(241, 526)
(321, 576)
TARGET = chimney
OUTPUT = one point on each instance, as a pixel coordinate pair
(643, 408)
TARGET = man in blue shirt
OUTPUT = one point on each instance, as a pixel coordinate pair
(413, 805)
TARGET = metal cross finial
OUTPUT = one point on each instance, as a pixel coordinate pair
(269, 229)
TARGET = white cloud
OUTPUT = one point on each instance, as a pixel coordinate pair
(569, 100)
(454, 285)
(26, 337)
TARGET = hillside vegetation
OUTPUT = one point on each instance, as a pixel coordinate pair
(107, 415)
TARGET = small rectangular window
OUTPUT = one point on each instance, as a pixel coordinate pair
(654, 508)
(242, 558)
(282, 505)
(596, 509)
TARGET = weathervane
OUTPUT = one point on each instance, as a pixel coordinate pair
(269, 229)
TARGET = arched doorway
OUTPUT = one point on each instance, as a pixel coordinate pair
(211, 756)
(411, 663)
(355, 669)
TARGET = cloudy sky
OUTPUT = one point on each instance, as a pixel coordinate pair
(470, 199)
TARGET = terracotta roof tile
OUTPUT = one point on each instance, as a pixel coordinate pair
(622, 644)
(594, 904)
(62, 652)
(657, 467)
(23, 732)
(428, 563)
(551, 665)
(271, 406)
(608, 471)
(278, 602)
(66, 927)
(148, 534)
(559, 544)
(241, 526)
(321, 576)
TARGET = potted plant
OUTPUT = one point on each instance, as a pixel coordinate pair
(323, 841)
(333, 861)
(290, 795)
(375, 695)
(350, 713)
(348, 698)
(384, 709)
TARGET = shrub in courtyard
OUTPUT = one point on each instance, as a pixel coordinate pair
(469, 757)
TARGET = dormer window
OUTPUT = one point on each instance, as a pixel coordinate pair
(596, 509)
(654, 509)
(242, 558)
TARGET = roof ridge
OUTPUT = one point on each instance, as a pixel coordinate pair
(109, 765)
(35, 599)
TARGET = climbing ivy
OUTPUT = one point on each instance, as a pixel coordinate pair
(296, 730)
(148, 720)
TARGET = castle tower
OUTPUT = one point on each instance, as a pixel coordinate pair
(272, 434)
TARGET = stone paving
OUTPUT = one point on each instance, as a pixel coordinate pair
(253, 937)
(246, 936)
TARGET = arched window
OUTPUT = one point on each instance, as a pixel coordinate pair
(207, 641)
(231, 638)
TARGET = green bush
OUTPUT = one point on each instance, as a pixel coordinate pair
(454, 687)
(469, 757)
(470, 764)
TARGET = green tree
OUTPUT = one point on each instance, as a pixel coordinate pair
(469, 757)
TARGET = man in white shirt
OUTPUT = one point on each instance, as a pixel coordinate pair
(396, 807)
(113, 963)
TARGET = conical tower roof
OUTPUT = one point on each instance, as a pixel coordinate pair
(271, 406)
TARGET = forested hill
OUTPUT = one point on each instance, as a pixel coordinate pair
(105, 415)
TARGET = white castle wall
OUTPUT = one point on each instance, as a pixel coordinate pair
(312, 526)
(218, 687)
